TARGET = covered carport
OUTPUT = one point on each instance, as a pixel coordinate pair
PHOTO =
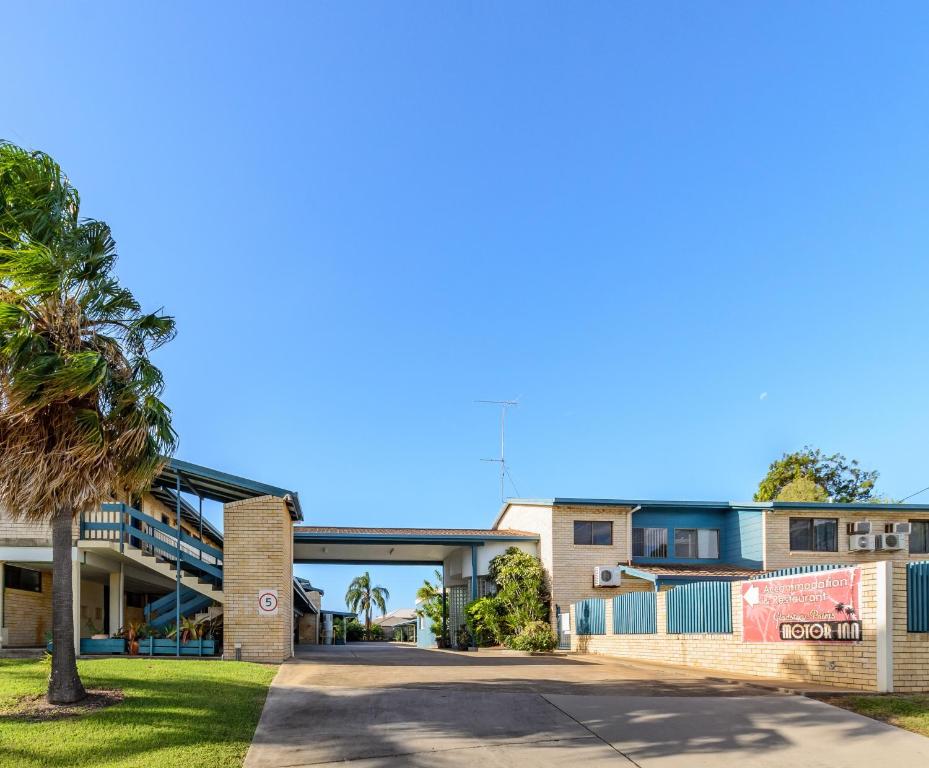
(462, 554)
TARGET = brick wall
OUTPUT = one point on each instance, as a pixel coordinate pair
(258, 554)
(18, 533)
(28, 615)
(849, 665)
(308, 627)
(777, 538)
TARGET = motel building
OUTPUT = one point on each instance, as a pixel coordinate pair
(836, 594)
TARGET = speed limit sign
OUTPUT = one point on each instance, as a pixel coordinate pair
(267, 602)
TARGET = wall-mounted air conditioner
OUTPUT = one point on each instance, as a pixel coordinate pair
(892, 541)
(859, 526)
(906, 528)
(607, 576)
(862, 542)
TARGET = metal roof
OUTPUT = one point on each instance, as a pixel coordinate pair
(221, 486)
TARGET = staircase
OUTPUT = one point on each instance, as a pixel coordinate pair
(163, 610)
(159, 548)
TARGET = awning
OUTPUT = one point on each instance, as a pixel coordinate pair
(221, 486)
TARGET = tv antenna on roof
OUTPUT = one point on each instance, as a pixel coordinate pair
(504, 473)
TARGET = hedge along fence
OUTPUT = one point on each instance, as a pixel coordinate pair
(589, 616)
(917, 596)
(635, 613)
(700, 608)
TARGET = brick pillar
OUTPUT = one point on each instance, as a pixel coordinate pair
(258, 545)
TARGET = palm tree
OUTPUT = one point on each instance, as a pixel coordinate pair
(361, 596)
(81, 419)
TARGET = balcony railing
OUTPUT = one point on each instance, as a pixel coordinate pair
(128, 527)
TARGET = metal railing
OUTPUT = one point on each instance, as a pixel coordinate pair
(128, 527)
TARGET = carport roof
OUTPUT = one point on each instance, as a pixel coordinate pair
(408, 534)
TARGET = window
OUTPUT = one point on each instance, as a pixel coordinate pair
(696, 542)
(593, 532)
(919, 537)
(814, 534)
(649, 542)
(28, 580)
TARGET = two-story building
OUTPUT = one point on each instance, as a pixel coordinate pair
(661, 544)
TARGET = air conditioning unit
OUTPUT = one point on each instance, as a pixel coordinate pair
(892, 541)
(905, 528)
(862, 542)
(607, 576)
(859, 526)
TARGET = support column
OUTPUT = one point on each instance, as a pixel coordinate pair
(885, 626)
(117, 601)
(473, 572)
(258, 558)
(76, 598)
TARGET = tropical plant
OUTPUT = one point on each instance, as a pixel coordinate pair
(376, 632)
(362, 596)
(840, 479)
(536, 636)
(432, 604)
(81, 419)
(486, 615)
(191, 629)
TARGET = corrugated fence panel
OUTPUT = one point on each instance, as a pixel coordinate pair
(590, 617)
(635, 614)
(917, 597)
(796, 570)
(703, 607)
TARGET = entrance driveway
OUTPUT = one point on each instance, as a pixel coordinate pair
(378, 704)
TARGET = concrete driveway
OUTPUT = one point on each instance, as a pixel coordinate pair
(379, 704)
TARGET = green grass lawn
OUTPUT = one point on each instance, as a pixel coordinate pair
(910, 711)
(175, 713)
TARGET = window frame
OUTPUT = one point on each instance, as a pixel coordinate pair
(811, 522)
(16, 584)
(925, 549)
(661, 545)
(591, 542)
(696, 544)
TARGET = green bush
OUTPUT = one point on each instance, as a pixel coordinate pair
(535, 636)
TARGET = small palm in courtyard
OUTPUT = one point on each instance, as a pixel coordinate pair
(362, 597)
(81, 419)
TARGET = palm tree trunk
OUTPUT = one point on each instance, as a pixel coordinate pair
(64, 685)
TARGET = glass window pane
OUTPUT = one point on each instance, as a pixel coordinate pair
(919, 537)
(657, 542)
(685, 542)
(638, 542)
(602, 534)
(825, 533)
(708, 542)
(800, 538)
(582, 532)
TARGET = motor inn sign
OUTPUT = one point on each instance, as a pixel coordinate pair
(821, 606)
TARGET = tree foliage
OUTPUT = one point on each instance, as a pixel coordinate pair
(802, 489)
(521, 598)
(362, 597)
(841, 480)
(432, 603)
(81, 416)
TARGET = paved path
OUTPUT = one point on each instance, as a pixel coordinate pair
(372, 705)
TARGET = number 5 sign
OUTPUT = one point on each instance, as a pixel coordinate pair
(267, 602)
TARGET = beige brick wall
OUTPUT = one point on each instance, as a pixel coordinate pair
(18, 533)
(28, 615)
(849, 665)
(777, 538)
(911, 649)
(308, 627)
(258, 554)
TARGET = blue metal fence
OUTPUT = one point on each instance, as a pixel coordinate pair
(635, 613)
(798, 569)
(917, 596)
(702, 607)
(589, 617)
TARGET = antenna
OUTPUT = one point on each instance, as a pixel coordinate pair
(504, 404)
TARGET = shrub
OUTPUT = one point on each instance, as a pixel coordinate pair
(535, 636)
(486, 616)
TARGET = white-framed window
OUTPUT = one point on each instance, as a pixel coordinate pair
(696, 543)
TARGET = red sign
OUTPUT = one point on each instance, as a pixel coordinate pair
(817, 606)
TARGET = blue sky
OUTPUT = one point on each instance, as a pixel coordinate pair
(688, 236)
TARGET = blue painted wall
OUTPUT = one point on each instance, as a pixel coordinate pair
(739, 533)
